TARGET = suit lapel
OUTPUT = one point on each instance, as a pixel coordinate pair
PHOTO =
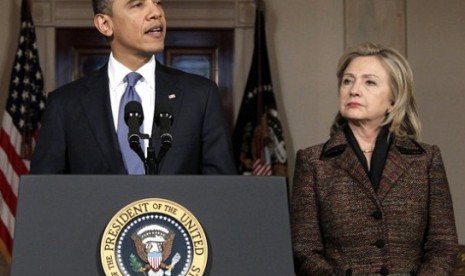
(96, 104)
(167, 90)
(400, 157)
(348, 161)
(397, 162)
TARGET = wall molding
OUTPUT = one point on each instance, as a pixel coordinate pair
(179, 13)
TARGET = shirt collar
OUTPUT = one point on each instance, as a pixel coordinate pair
(117, 72)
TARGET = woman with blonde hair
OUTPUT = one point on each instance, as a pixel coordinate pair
(373, 199)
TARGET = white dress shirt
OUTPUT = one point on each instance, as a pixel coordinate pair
(145, 88)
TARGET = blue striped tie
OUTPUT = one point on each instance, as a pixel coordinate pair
(132, 161)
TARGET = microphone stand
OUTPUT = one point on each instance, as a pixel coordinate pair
(151, 163)
(135, 146)
(134, 116)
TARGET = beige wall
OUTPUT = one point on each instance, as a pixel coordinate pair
(436, 50)
(305, 39)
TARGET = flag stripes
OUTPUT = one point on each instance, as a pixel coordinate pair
(11, 166)
(20, 124)
(261, 168)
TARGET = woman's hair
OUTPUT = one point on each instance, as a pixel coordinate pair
(403, 116)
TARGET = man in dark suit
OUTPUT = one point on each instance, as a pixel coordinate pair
(79, 131)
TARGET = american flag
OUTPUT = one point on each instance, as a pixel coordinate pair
(24, 108)
(258, 138)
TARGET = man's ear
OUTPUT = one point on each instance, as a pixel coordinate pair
(103, 24)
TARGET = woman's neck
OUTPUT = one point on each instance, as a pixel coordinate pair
(365, 136)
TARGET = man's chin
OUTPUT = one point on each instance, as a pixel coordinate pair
(157, 49)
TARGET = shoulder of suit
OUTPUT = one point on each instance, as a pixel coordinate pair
(336, 145)
(310, 153)
(74, 88)
(411, 147)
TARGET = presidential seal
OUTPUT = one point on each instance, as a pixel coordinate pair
(154, 237)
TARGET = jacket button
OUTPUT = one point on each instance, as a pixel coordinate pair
(377, 215)
(384, 271)
(380, 243)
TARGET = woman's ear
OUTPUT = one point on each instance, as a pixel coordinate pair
(389, 109)
(103, 24)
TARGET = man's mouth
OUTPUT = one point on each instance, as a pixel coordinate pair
(154, 30)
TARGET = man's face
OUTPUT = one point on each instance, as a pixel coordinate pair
(137, 28)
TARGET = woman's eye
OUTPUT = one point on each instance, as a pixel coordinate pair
(346, 81)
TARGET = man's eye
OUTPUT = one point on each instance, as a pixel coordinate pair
(137, 4)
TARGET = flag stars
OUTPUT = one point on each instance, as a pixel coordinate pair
(251, 94)
(25, 95)
(38, 75)
(21, 123)
(19, 54)
(13, 109)
(267, 87)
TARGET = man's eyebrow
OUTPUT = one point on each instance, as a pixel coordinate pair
(131, 1)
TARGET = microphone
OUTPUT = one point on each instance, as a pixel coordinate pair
(164, 119)
(134, 116)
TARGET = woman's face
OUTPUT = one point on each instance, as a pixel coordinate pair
(365, 94)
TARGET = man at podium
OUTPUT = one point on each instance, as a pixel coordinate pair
(87, 128)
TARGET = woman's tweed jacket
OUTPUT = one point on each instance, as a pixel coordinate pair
(341, 226)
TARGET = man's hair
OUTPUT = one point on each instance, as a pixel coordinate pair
(102, 6)
(403, 117)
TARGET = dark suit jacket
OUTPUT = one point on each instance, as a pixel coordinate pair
(78, 134)
(341, 226)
